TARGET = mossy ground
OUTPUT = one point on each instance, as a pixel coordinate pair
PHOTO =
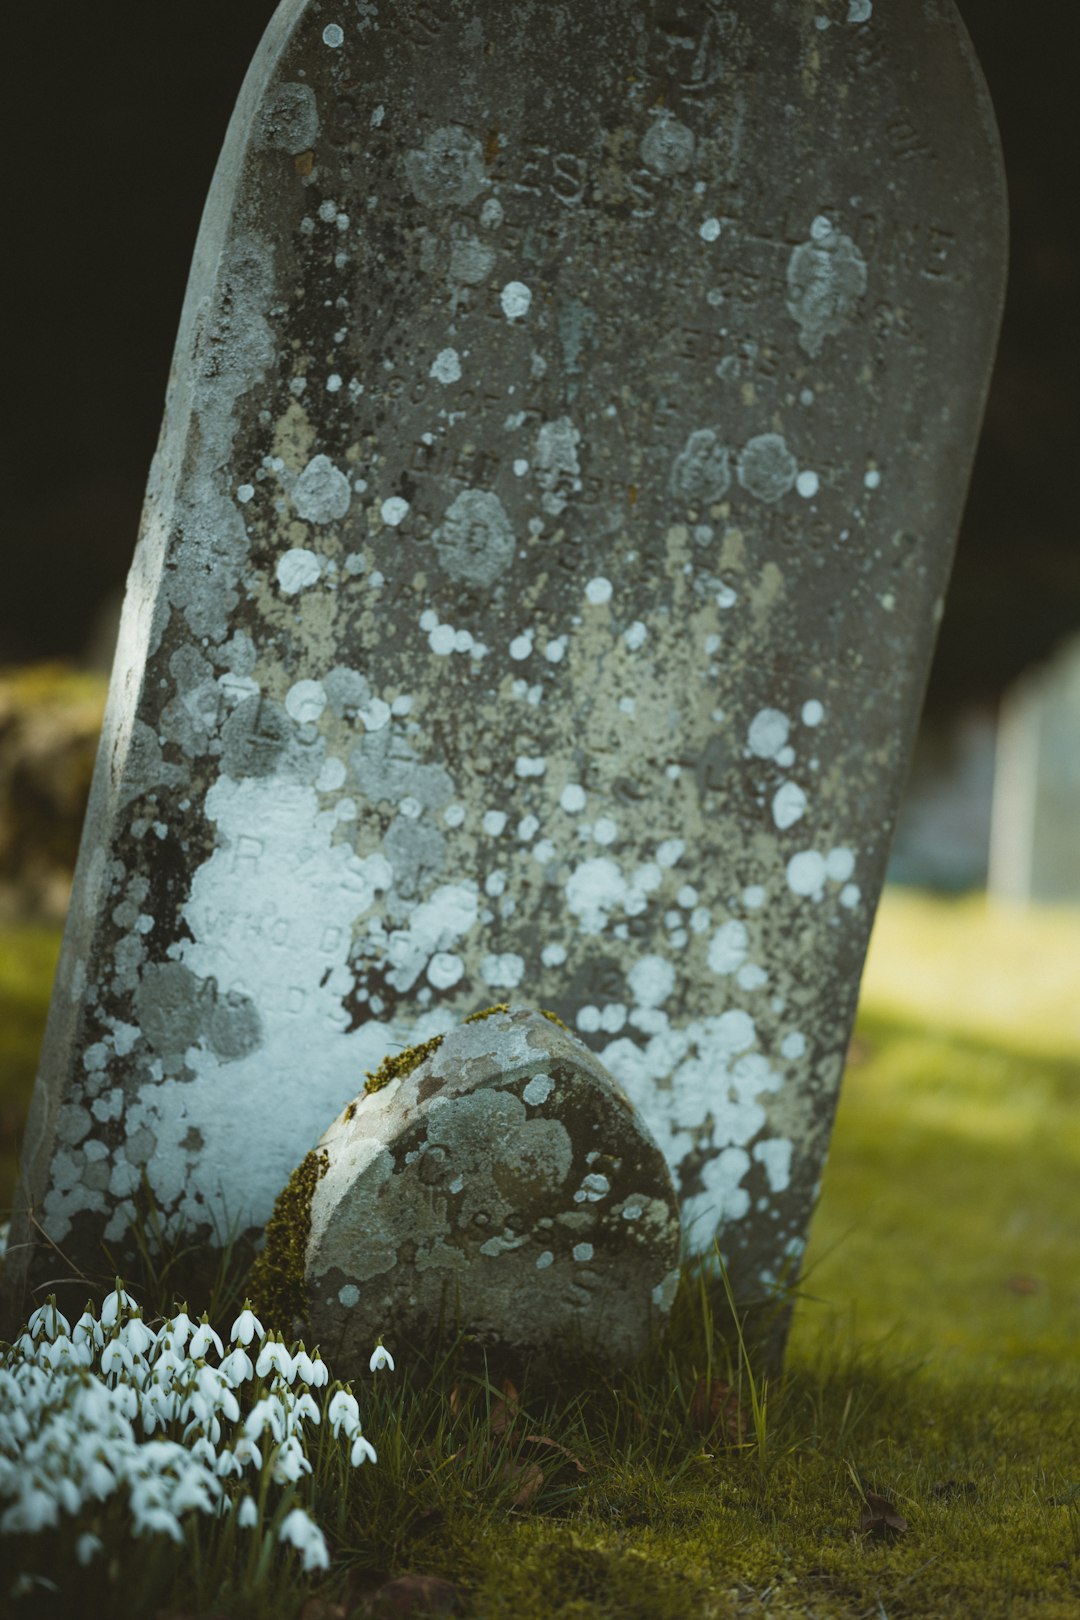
(933, 1361)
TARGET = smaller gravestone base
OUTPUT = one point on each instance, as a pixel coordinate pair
(504, 1187)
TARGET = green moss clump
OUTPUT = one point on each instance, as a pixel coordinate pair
(349, 1111)
(488, 1012)
(276, 1284)
(399, 1064)
(555, 1019)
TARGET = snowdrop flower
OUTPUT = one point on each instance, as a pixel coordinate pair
(237, 1366)
(137, 1336)
(47, 1320)
(247, 1514)
(114, 1304)
(246, 1327)
(247, 1453)
(303, 1366)
(343, 1413)
(319, 1375)
(86, 1547)
(380, 1357)
(362, 1449)
(159, 1518)
(304, 1534)
(88, 1330)
(33, 1510)
(265, 1414)
(177, 1331)
(203, 1337)
(274, 1354)
(290, 1462)
(116, 1357)
(305, 1407)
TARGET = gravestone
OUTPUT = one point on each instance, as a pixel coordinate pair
(504, 1185)
(569, 424)
(1035, 831)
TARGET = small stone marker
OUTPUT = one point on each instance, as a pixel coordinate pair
(541, 563)
(505, 1183)
(1035, 830)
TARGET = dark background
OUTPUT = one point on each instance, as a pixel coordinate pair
(120, 110)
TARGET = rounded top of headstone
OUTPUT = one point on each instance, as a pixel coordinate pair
(503, 1185)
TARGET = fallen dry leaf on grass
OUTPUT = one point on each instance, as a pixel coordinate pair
(880, 1519)
(714, 1406)
(410, 1596)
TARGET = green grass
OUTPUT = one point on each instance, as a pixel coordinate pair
(933, 1360)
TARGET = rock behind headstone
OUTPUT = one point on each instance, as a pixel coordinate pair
(504, 1186)
(570, 419)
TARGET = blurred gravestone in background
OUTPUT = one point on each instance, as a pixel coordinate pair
(540, 571)
(1035, 844)
(942, 838)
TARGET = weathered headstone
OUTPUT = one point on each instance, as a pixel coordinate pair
(504, 1185)
(570, 420)
(1035, 832)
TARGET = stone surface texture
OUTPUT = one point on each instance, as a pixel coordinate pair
(506, 1186)
(570, 420)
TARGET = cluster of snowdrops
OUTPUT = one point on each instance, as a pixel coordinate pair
(165, 1423)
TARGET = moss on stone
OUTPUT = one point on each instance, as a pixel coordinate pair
(488, 1012)
(555, 1019)
(276, 1283)
(399, 1064)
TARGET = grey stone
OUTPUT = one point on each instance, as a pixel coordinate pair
(505, 1187)
(435, 501)
(1035, 827)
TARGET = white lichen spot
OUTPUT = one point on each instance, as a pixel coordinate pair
(807, 484)
(766, 467)
(297, 570)
(515, 299)
(871, 479)
(553, 955)
(445, 970)
(322, 492)
(544, 1260)
(448, 170)
(806, 873)
(530, 765)
(813, 712)
(753, 897)
(709, 230)
(245, 493)
(768, 733)
(859, 11)
(598, 591)
(840, 863)
(538, 1090)
(789, 805)
(572, 798)
(582, 1251)
(850, 895)
(305, 701)
(594, 890)
(334, 36)
(446, 366)
(793, 1046)
(670, 852)
(651, 980)
(635, 636)
(503, 972)
(441, 640)
(826, 277)
(728, 947)
(348, 1295)
(394, 511)
(521, 647)
(668, 146)
(775, 1154)
(701, 472)
(475, 541)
